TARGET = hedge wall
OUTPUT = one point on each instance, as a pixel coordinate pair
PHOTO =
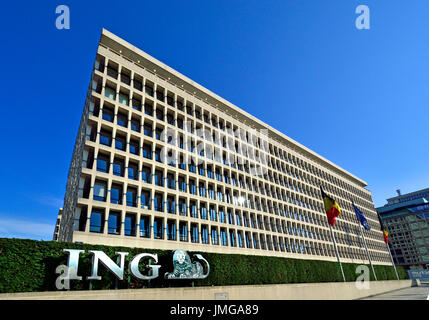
(28, 265)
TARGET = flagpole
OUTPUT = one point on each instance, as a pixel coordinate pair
(387, 244)
(336, 251)
(391, 259)
(363, 236)
(367, 252)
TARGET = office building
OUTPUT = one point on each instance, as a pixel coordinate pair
(251, 189)
(406, 219)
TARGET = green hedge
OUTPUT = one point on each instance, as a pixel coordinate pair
(28, 265)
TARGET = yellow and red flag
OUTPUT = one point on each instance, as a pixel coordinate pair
(331, 207)
(386, 236)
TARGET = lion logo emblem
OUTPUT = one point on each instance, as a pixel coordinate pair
(185, 269)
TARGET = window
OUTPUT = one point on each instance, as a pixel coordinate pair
(222, 216)
(108, 114)
(103, 163)
(158, 178)
(182, 184)
(262, 241)
(171, 183)
(158, 155)
(171, 205)
(232, 238)
(109, 92)
(135, 125)
(214, 236)
(179, 105)
(114, 224)
(158, 228)
(112, 71)
(202, 190)
(148, 109)
(211, 193)
(147, 130)
(120, 143)
(160, 95)
(192, 187)
(194, 233)
(171, 230)
(201, 170)
(204, 235)
(245, 220)
(118, 167)
(96, 221)
(146, 176)
(147, 151)
(145, 227)
(180, 123)
(125, 78)
(194, 210)
(136, 104)
(158, 134)
(192, 168)
(237, 219)
(170, 101)
(105, 138)
(134, 147)
(213, 214)
(210, 172)
(116, 194)
(133, 172)
(248, 242)
(170, 119)
(230, 218)
(255, 241)
(157, 202)
(240, 239)
(122, 120)
(145, 199)
(203, 212)
(183, 232)
(124, 99)
(223, 238)
(100, 190)
(131, 197)
(160, 114)
(130, 225)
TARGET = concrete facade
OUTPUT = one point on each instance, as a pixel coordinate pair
(304, 291)
(255, 192)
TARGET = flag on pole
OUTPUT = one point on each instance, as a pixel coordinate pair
(385, 233)
(361, 217)
(331, 207)
(386, 236)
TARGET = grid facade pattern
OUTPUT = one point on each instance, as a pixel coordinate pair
(409, 238)
(130, 194)
(406, 219)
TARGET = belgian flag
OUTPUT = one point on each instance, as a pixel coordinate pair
(385, 233)
(331, 207)
(386, 236)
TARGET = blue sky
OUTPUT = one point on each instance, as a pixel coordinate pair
(357, 97)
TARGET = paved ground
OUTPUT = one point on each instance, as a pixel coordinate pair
(414, 293)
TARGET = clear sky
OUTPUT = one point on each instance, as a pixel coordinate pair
(358, 97)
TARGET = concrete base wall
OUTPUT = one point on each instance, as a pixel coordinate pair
(304, 291)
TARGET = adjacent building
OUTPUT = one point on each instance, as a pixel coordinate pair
(406, 218)
(57, 225)
(162, 162)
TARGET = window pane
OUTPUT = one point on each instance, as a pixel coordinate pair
(95, 222)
